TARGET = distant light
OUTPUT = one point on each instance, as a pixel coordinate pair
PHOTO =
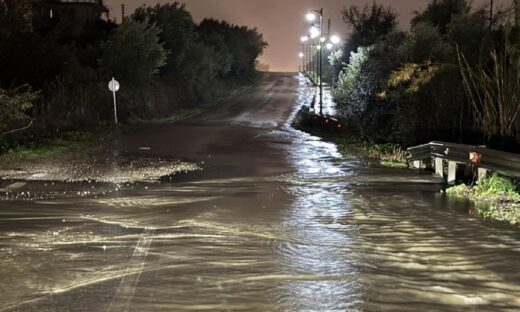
(323, 39)
(301, 55)
(330, 46)
(304, 39)
(335, 39)
(310, 17)
(315, 32)
(318, 47)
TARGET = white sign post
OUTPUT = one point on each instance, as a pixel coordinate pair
(114, 86)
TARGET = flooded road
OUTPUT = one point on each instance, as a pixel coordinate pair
(276, 220)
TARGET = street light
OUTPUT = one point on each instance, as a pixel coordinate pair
(329, 46)
(315, 32)
(310, 17)
(301, 55)
(334, 39)
(304, 39)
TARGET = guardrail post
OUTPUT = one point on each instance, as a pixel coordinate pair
(439, 167)
(482, 173)
(452, 172)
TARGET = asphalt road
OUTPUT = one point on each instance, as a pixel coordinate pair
(272, 219)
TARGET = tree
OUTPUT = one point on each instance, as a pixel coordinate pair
(15, 108)
(425, 43)
(494, 93)
(348, 92)
(211, 36)
(439, 13)
(133, 53)
(178, 33)
(243, 44)
(15, 17)
(369, 23)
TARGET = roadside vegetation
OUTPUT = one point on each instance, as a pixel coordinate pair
(36, 147)
(347, 139)
(497, 197)
(54, 80)
(452, 77)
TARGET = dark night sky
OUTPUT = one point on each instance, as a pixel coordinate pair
(282, 21)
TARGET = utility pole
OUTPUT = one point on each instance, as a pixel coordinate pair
(122, 12)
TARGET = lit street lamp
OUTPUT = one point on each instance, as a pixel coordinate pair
(305, 39)
(310, 17)
(334, 39)
(302, 55)
(315, 32)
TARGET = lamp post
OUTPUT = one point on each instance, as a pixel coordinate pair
(311, 17)
(302, 56)
(304, 40)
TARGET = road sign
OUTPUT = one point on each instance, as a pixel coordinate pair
(114, 86)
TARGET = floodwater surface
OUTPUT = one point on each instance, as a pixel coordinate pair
(276, 220)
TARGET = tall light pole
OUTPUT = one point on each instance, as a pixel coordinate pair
(302, 56)
(311, 16)
(304, 40)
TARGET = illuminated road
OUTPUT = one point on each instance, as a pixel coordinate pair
(276, 220)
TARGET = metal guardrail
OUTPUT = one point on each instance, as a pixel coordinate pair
(477, 156)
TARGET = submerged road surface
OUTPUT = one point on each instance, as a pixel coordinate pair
(276, 220)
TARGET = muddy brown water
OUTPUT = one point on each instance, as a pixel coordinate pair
(276, 221)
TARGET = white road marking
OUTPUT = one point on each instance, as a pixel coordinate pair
(13, 186)
(126, 290)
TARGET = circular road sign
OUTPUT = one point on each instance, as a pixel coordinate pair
(113, 85)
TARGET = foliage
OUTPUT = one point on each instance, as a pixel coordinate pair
(177, 33)
(14, 17)
(494, 92)
(410, 87)
(201, 54)
(496, 185)
(425, 43)
(15, 108)
(369, 23)
(497, 198)
(243, 44)
(34, 147)
(133, 53)
(348, 95)
(439, 13)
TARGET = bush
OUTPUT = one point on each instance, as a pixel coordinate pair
(496, 185)
(15, 108)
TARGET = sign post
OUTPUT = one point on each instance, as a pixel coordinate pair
(114, 86)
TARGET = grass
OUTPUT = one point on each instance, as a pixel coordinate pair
(35, 148)
(497, 196)
(389, 155)
(385, 155)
